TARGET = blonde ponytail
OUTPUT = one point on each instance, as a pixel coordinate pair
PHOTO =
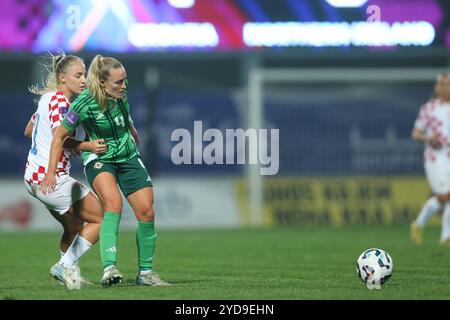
(99, 70)
(57, 66)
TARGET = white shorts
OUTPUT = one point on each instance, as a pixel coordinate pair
(438, 175)
(66, 193)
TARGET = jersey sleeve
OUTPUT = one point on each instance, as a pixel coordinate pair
(75, 115)
(33, 118)
(57, 108)
(125, 102)
(423, 118)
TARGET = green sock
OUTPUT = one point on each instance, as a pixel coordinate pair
(146, 242)
(109, 229)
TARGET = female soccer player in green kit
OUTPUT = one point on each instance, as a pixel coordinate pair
(103, 111)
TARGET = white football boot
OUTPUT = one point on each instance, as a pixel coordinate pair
(150, 279)
(67, 275)
(111, 275)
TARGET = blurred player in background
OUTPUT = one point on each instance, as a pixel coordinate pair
(104, 112)
(72, 204)
(432, 127)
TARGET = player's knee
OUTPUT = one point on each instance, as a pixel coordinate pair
(147, 214)
(114, 205)
(96, 231)
(443, 198)
(72, 228)
(97, 218)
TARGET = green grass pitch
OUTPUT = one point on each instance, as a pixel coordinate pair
(242, 264)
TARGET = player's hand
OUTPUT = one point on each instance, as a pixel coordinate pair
(98, 146)
(48, 184)
(435, 142)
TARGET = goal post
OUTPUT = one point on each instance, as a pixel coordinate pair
(259, 78)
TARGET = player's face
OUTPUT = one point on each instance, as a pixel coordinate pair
(442, 88)
(74, 79)
(115, 84)
(445, 90)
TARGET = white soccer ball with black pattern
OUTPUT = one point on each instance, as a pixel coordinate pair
(374, 267)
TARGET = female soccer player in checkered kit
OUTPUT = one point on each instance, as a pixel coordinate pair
(103, 111)
(72, 203)
(432, 127)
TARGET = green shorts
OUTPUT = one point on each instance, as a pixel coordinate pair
(131, 175)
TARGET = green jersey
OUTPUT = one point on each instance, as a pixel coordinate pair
(112, 125)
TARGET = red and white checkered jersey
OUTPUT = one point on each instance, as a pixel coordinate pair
(51, 110)
(434, 119)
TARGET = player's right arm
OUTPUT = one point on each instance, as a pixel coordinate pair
(97, 146)
(59, 136)
(419, 135)
(70, 122)
(49, 182)
(421, 126)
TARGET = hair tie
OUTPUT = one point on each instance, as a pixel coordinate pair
(58, 61)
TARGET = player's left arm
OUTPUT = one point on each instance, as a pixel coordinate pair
(134, 132)
(29, 129)
(30, 126)
(133, 129)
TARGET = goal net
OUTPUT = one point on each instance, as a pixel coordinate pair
(345, 149)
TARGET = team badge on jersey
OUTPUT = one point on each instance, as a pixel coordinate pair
(98, 165)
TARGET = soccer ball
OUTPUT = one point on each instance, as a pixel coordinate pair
(374, 267)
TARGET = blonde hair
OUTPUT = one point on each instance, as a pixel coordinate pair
(57, 66)
(99, 70)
